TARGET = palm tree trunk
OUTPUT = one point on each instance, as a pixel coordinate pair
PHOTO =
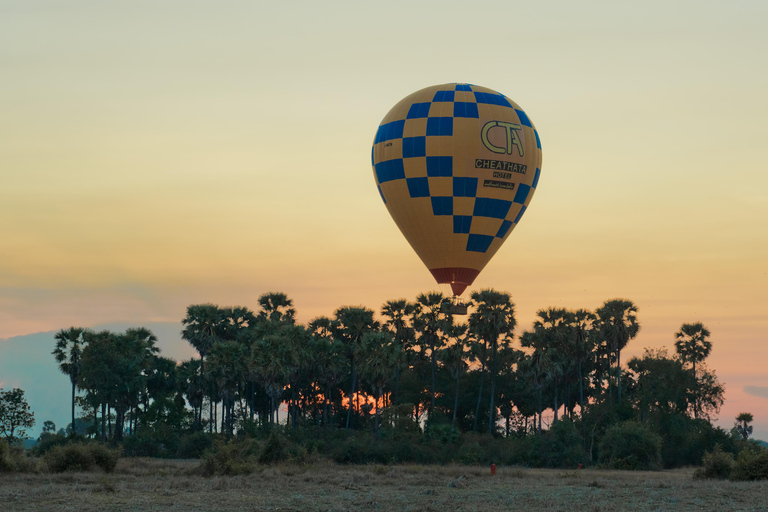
(433, 359)
(352, 394)
(73, 409)
(541, 406)
(618, 374)
(581, 389)
(103, 422)
(480, 391)
(378, 400)
(695, 392)
(456, 400)
(492, 409)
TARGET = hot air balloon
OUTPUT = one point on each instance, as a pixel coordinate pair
(456, 166)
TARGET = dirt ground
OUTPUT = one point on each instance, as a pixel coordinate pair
(146, 484)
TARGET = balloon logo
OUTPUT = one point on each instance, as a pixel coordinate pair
(456, 166)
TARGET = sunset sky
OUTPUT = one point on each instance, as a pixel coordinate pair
(156, 154)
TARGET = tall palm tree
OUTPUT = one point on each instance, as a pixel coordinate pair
(552, 338)
(453, 357)
(396, 314)
(227, 366)
(327, 355)
(692, 345)
(581, 342)
(349, 326)
(68, 353)
(618, 325)
(493, 321)
(276, 307)
(202, 328)
(431, 320)
(140, 343)
(377, 355)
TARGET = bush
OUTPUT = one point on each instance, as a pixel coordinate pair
(194, 446)
(630, 445)
(274, 449)
(751, 464)
(13, 459)
(232, 458)
(7, 463)
(81, 457)
(715, 464)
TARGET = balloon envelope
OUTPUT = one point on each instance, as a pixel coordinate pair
(456, 166)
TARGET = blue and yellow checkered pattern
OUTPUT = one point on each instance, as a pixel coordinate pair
(456, 165)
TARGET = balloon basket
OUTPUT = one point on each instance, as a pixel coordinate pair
(455, 305)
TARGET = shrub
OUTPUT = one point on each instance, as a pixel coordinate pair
(232, 458)
(194, 445)
(630, 445)
(274, 449)
(81, 457)
(751, 464)
(7, 464)
(715, 464)
(13, 459)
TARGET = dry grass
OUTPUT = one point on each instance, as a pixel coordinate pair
(149, 484)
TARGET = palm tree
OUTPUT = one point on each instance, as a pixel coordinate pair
(396, 313)
(140, 343)
(377, 355)
(276, 307)
(492, 321)
(618, 325)
(453, 357)
(327, 355)
(349, 326)
(743, 426)
(203, 327)
(68, 353)
(581, 342)
(227, 367)
(692, 345)
(552, 338)
(431, 320)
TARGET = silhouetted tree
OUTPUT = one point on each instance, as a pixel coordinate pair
(693, 347)
(618, 325)
(492, 321)
(68, 353)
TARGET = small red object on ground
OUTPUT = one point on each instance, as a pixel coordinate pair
(493, 469)
(581, 466)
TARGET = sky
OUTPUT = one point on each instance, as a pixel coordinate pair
(157, 154)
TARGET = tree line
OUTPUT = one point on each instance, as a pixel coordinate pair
(416, 363)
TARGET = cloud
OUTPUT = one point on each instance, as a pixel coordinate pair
(759, 391)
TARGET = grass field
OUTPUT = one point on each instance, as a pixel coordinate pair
(150, 484)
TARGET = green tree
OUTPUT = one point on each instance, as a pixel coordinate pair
(454, 358)
(552, 338)
(203, 326)
(15, 415)
(581, 343)
(743, 426)
(618, 324)
(227, 366)
(431, 320)
(396, 314)
(377, 356)
(68, 353)
(492, 321)
(693, 346)
(277, 308)
(327, 354)
(350, 324)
